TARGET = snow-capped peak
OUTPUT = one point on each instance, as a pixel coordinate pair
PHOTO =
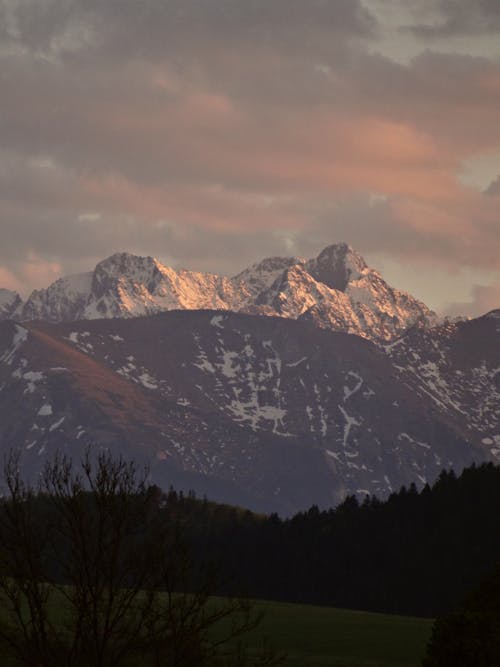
(337, 265)
(126, 264)
(336, 289)
(63, 300)
(259, 277)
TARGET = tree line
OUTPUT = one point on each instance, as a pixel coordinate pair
(98, 568)
(417, 553)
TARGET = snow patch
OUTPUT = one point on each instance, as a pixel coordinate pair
(216, 321)
(32, 377)
(349, 423)
(405, 436)
(228, 367)
(350, 391)
(296, 363)
(20, 337)
(148, 381)
(57, 424)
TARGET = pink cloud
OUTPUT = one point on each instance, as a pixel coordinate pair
(261, 140)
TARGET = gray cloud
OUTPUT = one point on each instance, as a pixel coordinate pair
(434, 19)
(484, 298)
(155, 28)
(444, 19)
(493, 188)
(216, 132)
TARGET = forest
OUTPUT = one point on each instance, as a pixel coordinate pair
(98, 566)
(417, 553)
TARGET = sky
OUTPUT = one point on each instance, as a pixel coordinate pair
(214, 133)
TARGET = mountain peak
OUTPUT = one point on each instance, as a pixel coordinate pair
(337, 286)
(337, 265)
(126, 263)
(259, 277)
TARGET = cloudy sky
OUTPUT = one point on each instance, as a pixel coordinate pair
(212, 133)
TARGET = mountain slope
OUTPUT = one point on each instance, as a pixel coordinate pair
(457, 366)
(267, 412)
(337, 290)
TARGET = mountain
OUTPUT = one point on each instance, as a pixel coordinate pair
(267, 412)
(249, 389)
(9, 303)
(65, 299)
(337, 290)
(125, 285)
(457, 366)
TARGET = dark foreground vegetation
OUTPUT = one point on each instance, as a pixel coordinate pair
(97, 568)
(92, 574)
(418, 553)
(469, 636)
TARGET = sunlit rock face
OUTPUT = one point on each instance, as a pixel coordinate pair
(63, 300)
(336, 290)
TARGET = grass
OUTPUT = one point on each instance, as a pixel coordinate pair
(321, 636)
(327, 637)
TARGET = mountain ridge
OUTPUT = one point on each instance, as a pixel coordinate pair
(271, 413)
(336, 289)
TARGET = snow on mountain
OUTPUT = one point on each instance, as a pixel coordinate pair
(281, 413)
(125, 285)
(63, 300)
(457, 366)
(337, 290)
(9, 301)
(296, 292)
(381, 311)
(259, 277)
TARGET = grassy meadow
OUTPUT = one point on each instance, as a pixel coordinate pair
(313, 636)
(320, 636)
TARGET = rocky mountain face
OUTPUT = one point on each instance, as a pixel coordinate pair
(250, 390)
(457, 366)
(266, 412)
(337, 290)
(10, 302)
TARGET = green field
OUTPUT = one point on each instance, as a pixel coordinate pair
(320, 636)
(313, 636)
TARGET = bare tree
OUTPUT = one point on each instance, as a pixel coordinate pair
(94, 573)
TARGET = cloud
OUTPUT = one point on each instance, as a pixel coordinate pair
(494, 187)
(483, 299)
(153, 29)
(437, 19)
(215, 132)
